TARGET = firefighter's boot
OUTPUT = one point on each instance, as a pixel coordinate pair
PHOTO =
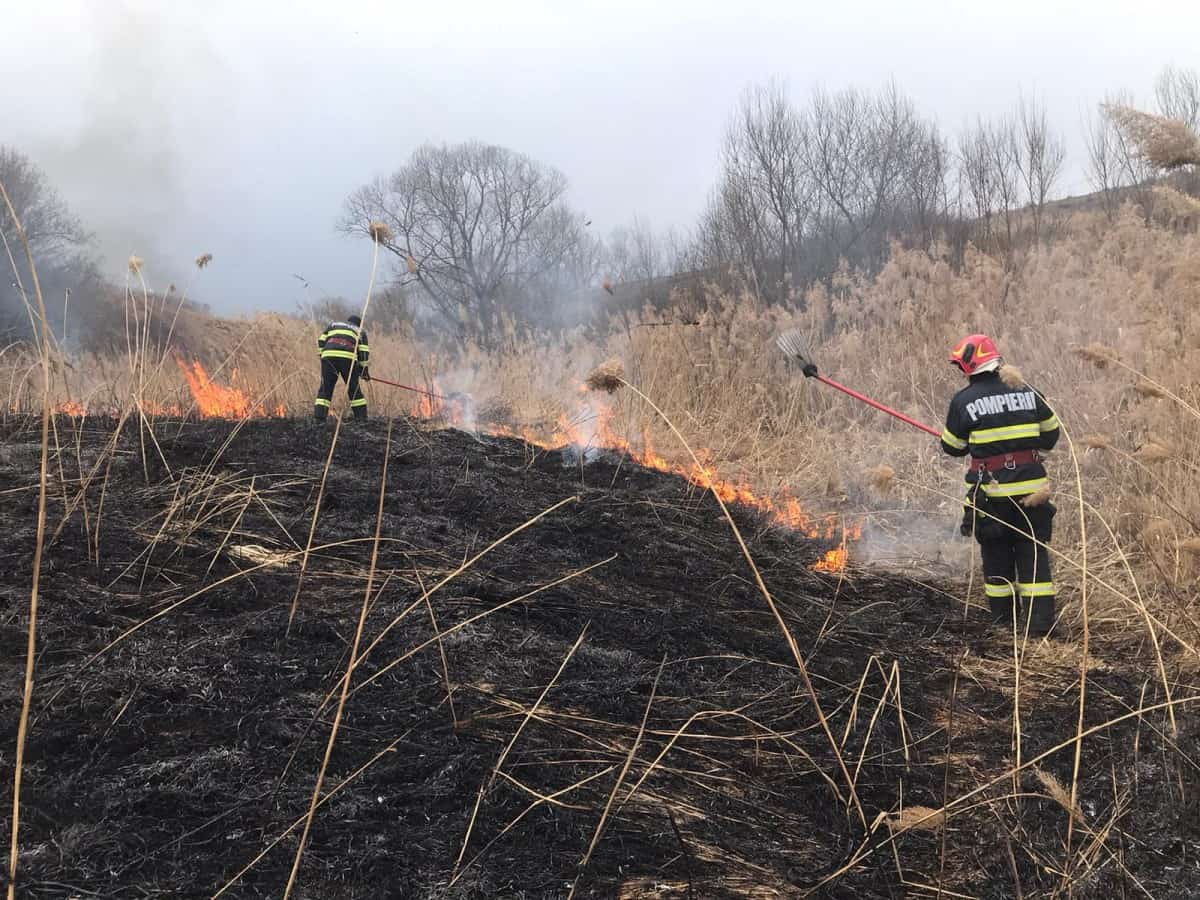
(1041, 616)
(1002, 610)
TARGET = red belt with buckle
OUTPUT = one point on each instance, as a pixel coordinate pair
(1005, 461)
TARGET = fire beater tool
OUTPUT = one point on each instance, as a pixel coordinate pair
(406, 387)
(792, 343)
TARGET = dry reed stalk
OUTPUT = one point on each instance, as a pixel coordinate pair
(1095, 442)
(38, 548)
(353, 776)
(637, 741)
(941, 814)
(918, 818)
(337, 718)
(608, 378)
(1083, 651)
(484, 787)
(1059, 794)
(450, 577)
(312, 527)
(872, 844)
(441, 652)
(1163, 142)
(475, 618)
(547, 798)
(1141, 607)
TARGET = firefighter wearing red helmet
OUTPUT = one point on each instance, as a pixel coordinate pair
(1004, 425)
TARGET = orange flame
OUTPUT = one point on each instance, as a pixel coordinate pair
(784, 510)
(217, 401)
(72, 408)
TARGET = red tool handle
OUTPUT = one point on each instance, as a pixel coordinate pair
(879, 406)
(406, 387)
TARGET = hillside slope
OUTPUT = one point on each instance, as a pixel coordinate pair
(166, 764)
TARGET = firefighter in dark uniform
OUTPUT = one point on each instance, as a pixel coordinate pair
(345, 353)
(1005, 425)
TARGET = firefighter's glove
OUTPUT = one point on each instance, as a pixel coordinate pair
(809, 370)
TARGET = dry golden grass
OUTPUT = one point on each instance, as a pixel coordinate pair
(1110, 305)
(1059, 794)
(1012, 376)
(881, 477)
(917, 818)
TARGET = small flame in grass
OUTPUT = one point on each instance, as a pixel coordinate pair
(592, 429)
(72, 408)
(834, 560)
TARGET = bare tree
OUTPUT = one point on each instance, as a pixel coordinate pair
(1104, 169)
(1135, 175)
(763, 158)
(1040, 158)
(474, 225)
(1177, 92)
(862, 153)
(635, 253)
(926, 184)
(978, 178)
(57, 240)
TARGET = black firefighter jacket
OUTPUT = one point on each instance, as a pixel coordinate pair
(987, 419)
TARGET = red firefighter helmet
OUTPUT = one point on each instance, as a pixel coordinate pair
(975, 353)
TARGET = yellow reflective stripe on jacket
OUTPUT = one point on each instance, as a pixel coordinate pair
(953, 439)
(343, 332)
(1036, 589)
(338, 354)
(1015, 488)
(1048, 424)
(998, 590)
(1005, 433)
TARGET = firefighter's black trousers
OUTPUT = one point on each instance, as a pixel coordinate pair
(1016, 565)
(349, 372)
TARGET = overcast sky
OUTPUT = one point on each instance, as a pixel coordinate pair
(176, 127)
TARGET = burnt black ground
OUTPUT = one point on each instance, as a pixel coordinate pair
(163, 767)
